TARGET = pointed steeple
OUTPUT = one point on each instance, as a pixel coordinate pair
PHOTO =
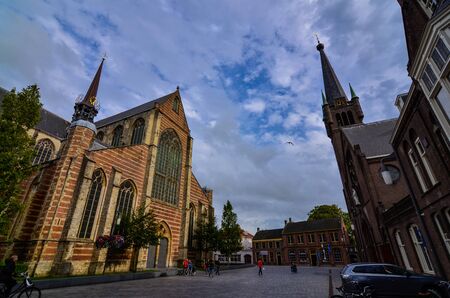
(324, 99)
(333, 88)
(352, 92)
(87, 109)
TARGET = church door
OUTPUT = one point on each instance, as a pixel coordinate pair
(162, 258)
(248, 259)
(151, 256)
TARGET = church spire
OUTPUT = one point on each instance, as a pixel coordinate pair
(352, 92)
(324, 99)
(333, 88)
(87, 109)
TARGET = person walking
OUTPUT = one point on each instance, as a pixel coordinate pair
(210, 268)
(190, 267)
(185, 266)
(7, 274)
(260, 267)
(217, 267)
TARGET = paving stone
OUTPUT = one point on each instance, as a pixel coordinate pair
(277, 281)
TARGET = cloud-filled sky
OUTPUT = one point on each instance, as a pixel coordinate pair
(249, 76)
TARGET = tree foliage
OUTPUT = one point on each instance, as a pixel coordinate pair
(331, 211)
(206, 235)
(140, 230)
(230, 232)
(19, 112)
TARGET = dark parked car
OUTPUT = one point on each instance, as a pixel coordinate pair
(389, 280)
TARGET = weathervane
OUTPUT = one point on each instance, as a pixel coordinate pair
(104, 56)
(317, 37)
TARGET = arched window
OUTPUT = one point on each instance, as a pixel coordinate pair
(124, 201)
(44, 150)
(442, 228)
(421, 249)
(91, 205)
(350, 117)
(175, 104)
(339, 119)
(344, 118)
(401, 248)
(138, 131)
(168, 168)
(117, 136)
(100, 136)
(191, 225)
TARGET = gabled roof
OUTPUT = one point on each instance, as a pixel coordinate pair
(311, 226)
(133, 111)
(373, 138)
(268, 234)
(49, 122)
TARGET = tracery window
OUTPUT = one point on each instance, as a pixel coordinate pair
(90, 209)
(117, 136)
(191, 225)
(168, 168)
(138, 131)
(124, 201)
(44, 150)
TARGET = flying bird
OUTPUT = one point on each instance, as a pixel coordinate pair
(290, 143)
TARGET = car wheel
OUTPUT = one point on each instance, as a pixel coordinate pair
(434, 293)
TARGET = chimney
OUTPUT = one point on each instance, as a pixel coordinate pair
(285, 222)
(290, 220)
(257, 229)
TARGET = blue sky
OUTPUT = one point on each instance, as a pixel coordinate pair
(249, 76)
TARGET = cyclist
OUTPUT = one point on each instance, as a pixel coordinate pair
(8, 272)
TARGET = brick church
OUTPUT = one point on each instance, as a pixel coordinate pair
(93, 173)
(395, 173)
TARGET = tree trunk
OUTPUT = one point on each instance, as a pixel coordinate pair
(134, 260)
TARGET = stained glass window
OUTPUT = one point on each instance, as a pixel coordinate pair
(91, 205)
(138, 132)
(44, 150)
(117, 136)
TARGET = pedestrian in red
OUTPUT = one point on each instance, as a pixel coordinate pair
(185, 266)
(260, 266)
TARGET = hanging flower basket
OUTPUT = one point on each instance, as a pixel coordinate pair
(106, 241)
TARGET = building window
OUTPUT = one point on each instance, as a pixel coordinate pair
(175, 104)
(270, 244)
(168, 168)
(440, 54)
(256, 245)
(263, 245)
(401, 248)
(290, 239)
(100, 136)
(44, 150)
(117, 136)
(291, 256)
(191, 225)
(443, 98)
(428, 77)
(337, 255)
(322, 237)
(417, 170)
(301, 239)
(278, 244)
(445, 235)
(138, 132)
(426, 163)
(311, 238)
(124, 202)
(421, 249)
(350, 117)
(302, 256)
(335, 237)
(339, 119)
(90, 209)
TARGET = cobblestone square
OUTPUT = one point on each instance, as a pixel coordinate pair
(277, 281)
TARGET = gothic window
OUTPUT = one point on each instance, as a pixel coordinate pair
(117, 136)
(44, 150)
(421, 249)
(124, 201)
(100, 136)
(191, 225)
(339, 119)
(138, 131)
(344, 118)
(168, 168)
(401, 248)
(350, 117)
(442, 228)
(175, 104)
(90, 209)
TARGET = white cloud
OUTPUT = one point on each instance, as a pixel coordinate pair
(255, 106)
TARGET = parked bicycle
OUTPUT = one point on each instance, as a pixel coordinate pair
(366, 293)
(25, 289)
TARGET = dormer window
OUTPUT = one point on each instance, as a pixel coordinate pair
(175, 104)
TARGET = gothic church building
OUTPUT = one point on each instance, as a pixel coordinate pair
(92, 174)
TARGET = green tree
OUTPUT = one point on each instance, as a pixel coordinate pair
(206, 236)
(230, 232)
(19, 112)
(140, 230)
(331, 211)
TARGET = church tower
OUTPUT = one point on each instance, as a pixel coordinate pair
(338, 111)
